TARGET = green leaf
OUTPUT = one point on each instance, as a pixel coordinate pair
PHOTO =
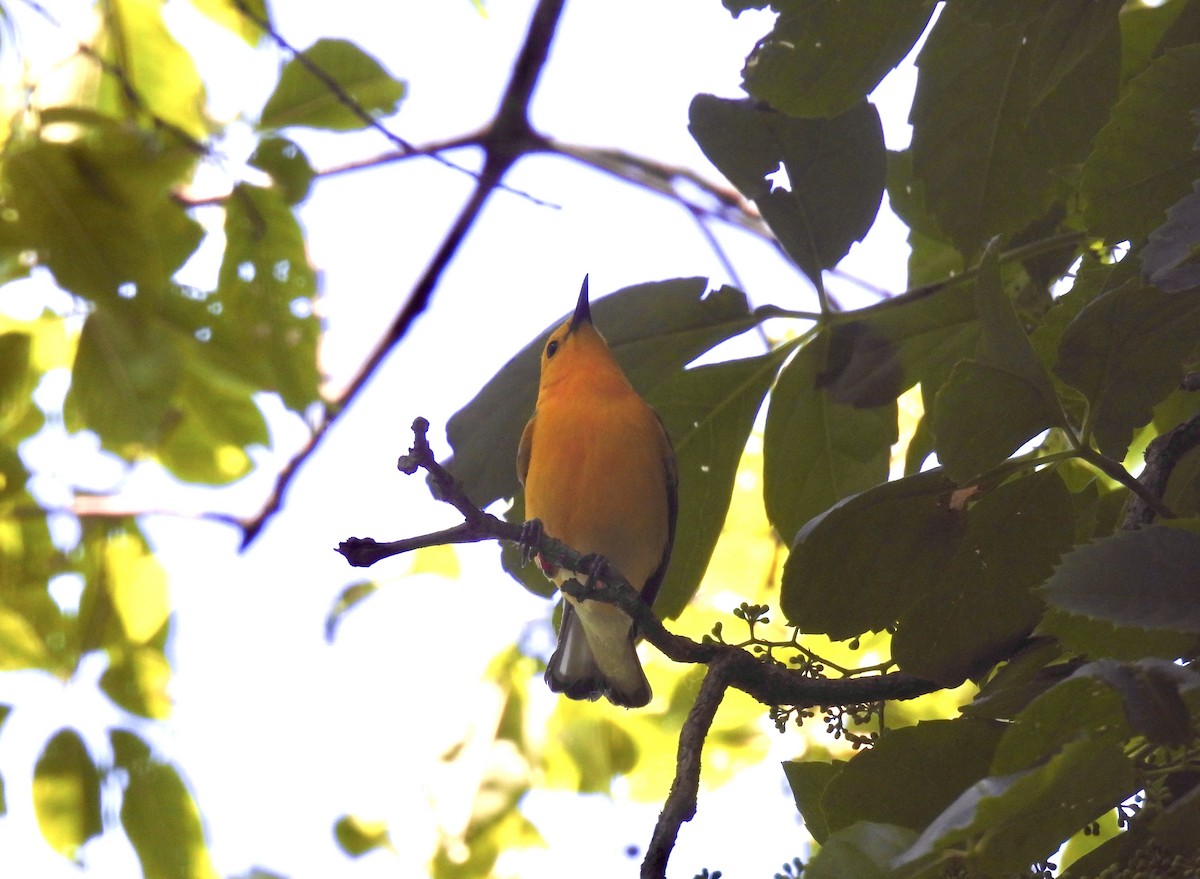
(1081, 706)
(217, 420)
(1019, 680)
(982, 415)
(1004, 823)
(97, 209)
(816, 450)
(20, 645)
(864, 851)
(1171, 260)
(859, 566)
(347, 600)
(836, 170)
(887, 348)
(264, 329)
(357, 836)
(303, 98)
(158, 814)
(1144, 578)
(709, 412)
(1001, 104)
(227, 14)
(1126, 351)
(288, 166)
(823, 57)
(66, 794)
(1143, 160)
(137, 680)
(123, 381)
(995, 402)
(653, 330)
(1097, 638)
(980, 603)
(19, 416)
(808, 780)
(1152, 693)
(911, 774)
(1142, 31)
(135, 39)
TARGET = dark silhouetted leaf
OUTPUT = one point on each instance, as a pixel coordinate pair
(887, 348)
(1171, 261)
(301, 98)
(708, 411)
(864, 851)
(808, 780)
(1001, 103)
(911, 774)
(859, 566)
(836, 171)
(1144, 578)
(1004, 823)
(1144, 159)
(980, 603)
(1126, 351)
(823, 57)
(816, 450)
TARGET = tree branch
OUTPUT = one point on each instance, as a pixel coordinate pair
(1162, 454)
(681, 801)
(770, 682)
(507, 139)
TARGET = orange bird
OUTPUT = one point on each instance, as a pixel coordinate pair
(600, 475)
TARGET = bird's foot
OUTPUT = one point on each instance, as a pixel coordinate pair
(595, 566)
(531, 536)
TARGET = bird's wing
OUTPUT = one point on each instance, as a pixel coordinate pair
(525, 449)
(671, 469)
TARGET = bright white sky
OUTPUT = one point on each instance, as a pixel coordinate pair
(278, 732)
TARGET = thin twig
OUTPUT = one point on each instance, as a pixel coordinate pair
(508, 138)
(347, 100)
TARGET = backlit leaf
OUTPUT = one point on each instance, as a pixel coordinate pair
(159, 815)
(66, 793)
(302, 97)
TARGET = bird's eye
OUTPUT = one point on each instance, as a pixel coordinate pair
(552, 348)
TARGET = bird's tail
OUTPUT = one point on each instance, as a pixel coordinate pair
(575, 671)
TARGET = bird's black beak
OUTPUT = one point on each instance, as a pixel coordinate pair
(583, 310)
